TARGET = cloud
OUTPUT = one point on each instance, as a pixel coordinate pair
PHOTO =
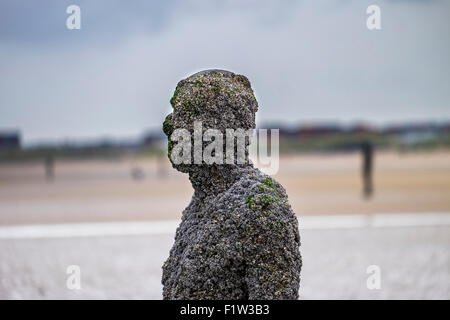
(307, 61)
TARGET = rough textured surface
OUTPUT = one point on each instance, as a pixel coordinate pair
(238, 238)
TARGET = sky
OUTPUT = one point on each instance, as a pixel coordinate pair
(308, 61)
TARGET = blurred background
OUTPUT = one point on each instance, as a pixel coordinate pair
(364, 121)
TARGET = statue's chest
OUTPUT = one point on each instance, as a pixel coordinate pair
(209, 244)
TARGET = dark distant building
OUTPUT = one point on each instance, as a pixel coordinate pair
(9, 140)
(315, 130)
(305, 130)
(362, 128)
(152, 138)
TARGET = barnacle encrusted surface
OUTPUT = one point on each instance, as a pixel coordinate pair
(238, 237)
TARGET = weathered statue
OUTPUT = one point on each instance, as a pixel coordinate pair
(238, 238)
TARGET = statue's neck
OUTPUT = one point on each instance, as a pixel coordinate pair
(212, 180)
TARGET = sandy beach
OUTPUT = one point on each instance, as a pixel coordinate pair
(119, 230)
(316, 184)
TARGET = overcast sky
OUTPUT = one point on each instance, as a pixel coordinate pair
(308, 61)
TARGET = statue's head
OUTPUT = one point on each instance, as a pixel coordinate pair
(218, 100)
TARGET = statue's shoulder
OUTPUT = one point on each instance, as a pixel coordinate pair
(260, 208)
(256, 193)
